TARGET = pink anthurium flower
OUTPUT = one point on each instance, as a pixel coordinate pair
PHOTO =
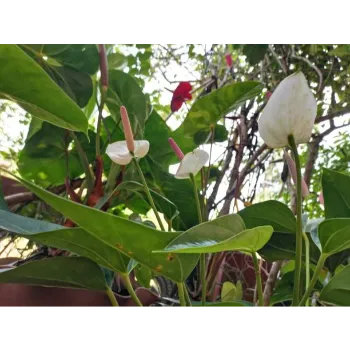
(191, 163)
(122, 152)
(293, 172)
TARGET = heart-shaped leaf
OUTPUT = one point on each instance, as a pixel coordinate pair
(74, 272)
(273, 213)
(75, 240)
(337, 291)
(208, 110)
(336, 193)
(334, 235)
(222, 234)
(124, 90)
(26, 83)
(137, 241)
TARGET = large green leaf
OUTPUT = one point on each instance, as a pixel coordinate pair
(334, 235)
(135, 240)
(26, 83)
(166, 207)
(208, 110)
(179, 192)
(273, 213)
(281, 246)
(336, 193)
(337, 291)
(74, 272)
(255, 52)
(222, 234)
(157, 133)
(124, 90)
(43, 158)
(75, 240)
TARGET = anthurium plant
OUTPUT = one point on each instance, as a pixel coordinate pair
(121, 218)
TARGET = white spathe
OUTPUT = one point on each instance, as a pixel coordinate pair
(119, 153)
(291, 110)
(192, 163)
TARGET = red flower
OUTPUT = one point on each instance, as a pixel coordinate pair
(268, 95)
(181, 94)
(228, 59)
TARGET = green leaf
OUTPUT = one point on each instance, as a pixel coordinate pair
(166, 207)
(336, 193)
(77, 85)
(341, 51)
(337, 291)
(225, 233)
(208, 110)
(273, 213)
(220, 135)
(179, 192)
(231, 292)
(43, 158)
(132, 239)
(124, 90)
(26, 83)
(225, 304)
(82, 57)
(143, 275)
(116, 61)
(255, 53)
(157, 133)
(281, 246)
(75, 240)
(71, 272)
(334, 235)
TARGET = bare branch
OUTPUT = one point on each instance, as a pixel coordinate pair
(271, 281)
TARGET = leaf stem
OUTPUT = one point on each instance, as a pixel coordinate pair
(299, 230)
(202, 260)
(112, 297)
(313, 281)
(84, 161)
(258, 279)
(129, 287)
(187, 296)
(181, 292)
(307, 263)
(148, 193)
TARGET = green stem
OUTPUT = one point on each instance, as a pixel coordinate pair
(99, 120)
(128, 285)
(187, 296)
(148, 193)
(313, 281)
(307, 263)
(299, 231)
(258, 279)
(111, 297)
(202, 256)
(84, 161)
(113, 173)
(181, 292)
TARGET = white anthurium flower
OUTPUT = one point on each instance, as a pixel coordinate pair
(120, 154)
(192, 163)
(291, 110)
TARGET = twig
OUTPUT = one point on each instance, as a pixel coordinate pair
(271, 281)
(284, 70)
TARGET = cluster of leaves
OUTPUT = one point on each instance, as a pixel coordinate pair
(59, 86)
